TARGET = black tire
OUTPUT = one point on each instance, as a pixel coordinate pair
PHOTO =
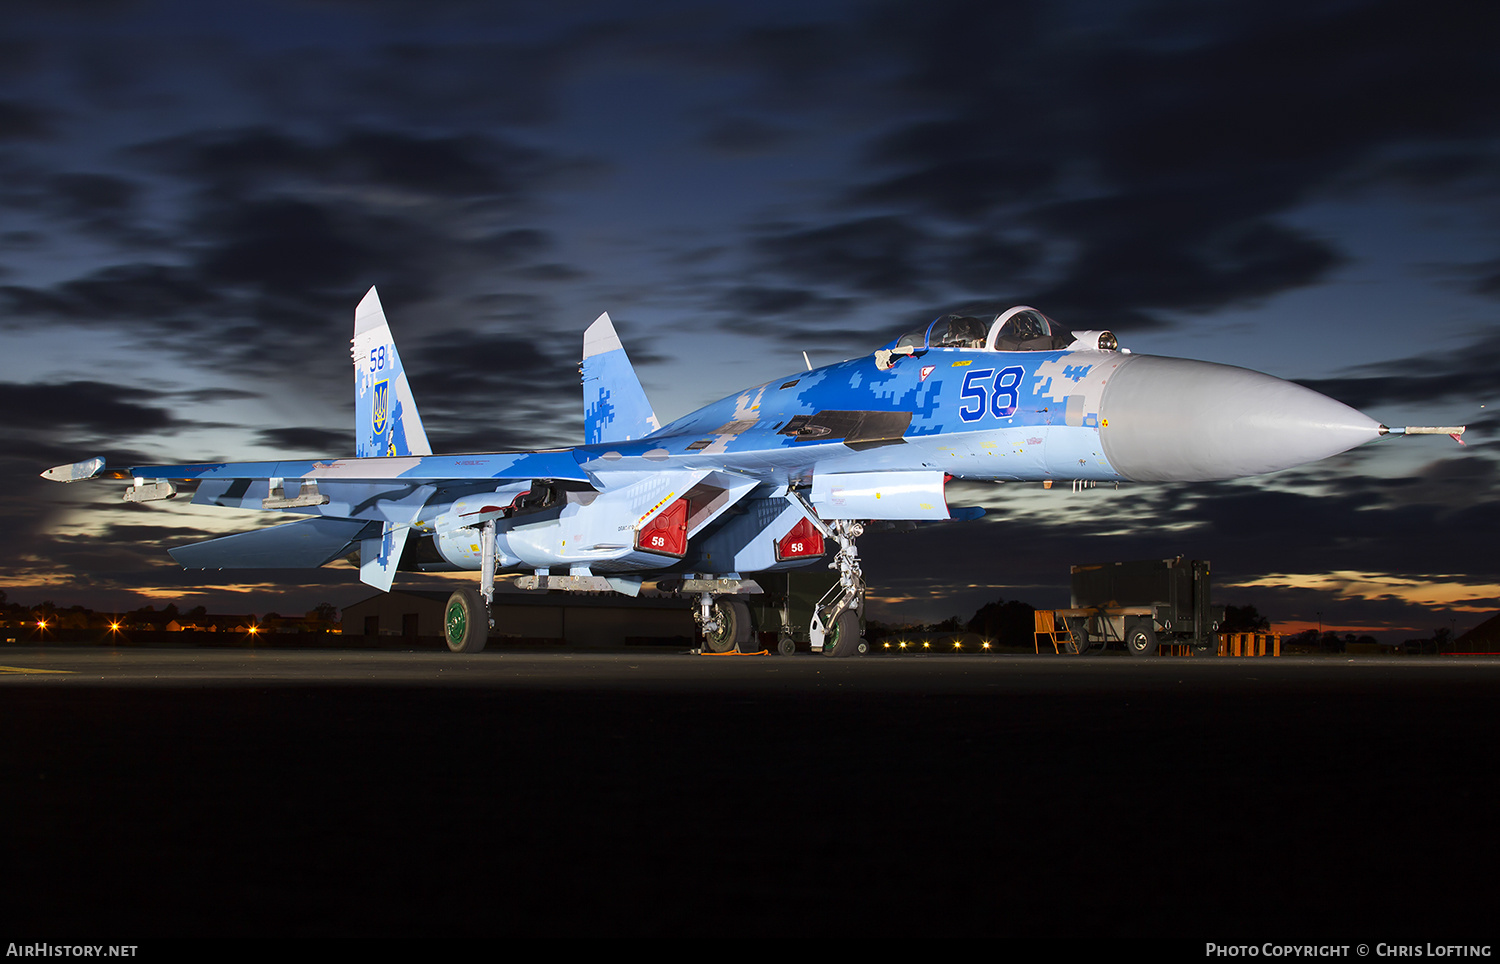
(733, 618)
(1079, 628)
(746, 639)
(845, 639)
(466, 622)
(786, 646)
(1140, 637)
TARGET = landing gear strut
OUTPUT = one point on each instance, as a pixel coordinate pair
(836, 617)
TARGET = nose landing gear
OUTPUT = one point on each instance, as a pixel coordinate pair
(836, 617)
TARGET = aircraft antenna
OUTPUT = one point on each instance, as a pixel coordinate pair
(808, 360)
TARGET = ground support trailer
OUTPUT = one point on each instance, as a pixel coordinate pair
(1143, 605)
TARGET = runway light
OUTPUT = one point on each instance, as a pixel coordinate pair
(926, 644)
(957, 644)
(985, 645)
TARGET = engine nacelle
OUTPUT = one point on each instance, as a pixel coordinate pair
(771, 534)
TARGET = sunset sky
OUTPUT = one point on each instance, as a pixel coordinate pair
(193, 198)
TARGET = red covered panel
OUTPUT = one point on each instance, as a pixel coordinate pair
(667, 533)
(803, 542)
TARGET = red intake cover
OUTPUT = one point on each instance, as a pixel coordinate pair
(803, 542)
(667, 533)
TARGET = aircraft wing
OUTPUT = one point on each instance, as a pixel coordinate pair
(365, 503)
(411, 468)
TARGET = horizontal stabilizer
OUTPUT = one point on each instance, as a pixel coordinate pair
(298, 545)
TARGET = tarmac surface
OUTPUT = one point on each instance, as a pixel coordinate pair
(201, 793)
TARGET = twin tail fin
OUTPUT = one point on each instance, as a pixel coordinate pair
(615, 407)
(386, 421)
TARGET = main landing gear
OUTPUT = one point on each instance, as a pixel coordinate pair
(725, 623)
(724, 620)
(466, 618)
(466, 621)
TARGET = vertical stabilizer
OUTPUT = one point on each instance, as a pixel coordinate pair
(615, 407)
(385, 414)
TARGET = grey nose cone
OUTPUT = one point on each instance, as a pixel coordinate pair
(1175, 420)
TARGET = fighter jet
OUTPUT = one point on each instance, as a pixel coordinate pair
(777, 476)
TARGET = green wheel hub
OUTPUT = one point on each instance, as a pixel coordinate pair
(456, 621)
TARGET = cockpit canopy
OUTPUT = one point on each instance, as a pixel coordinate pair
(1018, 329)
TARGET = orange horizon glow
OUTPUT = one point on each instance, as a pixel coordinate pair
(1292, 627)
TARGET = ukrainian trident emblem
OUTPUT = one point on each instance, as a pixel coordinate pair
(380, 407)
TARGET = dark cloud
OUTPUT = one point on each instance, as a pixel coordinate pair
(266, 217)
(490, 392)
(1141, 166)
(286, 246)
(460, 362)
(203, 396)
(761, 301)
(551, 272)
(279, 236)
(957, 169)
(1470, 374)
(99, 408)
(160, 297)
(154, 539)
(792, 62)
(1488, 283)
(744, 136)
(316, 441)
(474, 82)
(849, 267)
(875, 255)
(464, 165)
(1124, 266)
(22, 122)
(86, 195)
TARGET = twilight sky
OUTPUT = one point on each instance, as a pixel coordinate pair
(193, 198)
